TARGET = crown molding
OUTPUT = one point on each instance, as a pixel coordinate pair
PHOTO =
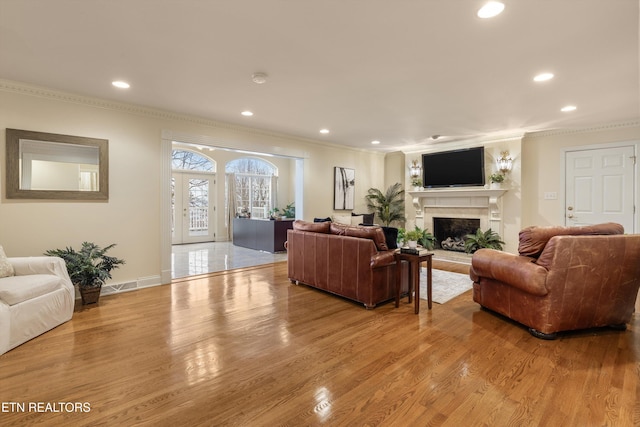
(570, 131)
(43, 92)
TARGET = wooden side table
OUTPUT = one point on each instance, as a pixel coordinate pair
(414, 276)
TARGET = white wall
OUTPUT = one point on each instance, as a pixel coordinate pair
(543, 167)
(131, 217)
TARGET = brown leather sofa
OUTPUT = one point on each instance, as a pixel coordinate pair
(350, 261)
(564, 278)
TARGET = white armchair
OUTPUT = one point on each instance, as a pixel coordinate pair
(39, 297)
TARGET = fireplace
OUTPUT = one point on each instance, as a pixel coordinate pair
(450, 232)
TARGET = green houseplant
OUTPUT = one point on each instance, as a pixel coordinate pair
(488, 239)
(422, 237)
(496, 178)
(89, 268)
(388, 206)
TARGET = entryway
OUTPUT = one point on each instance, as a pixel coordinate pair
(600, 186)
(193, 207)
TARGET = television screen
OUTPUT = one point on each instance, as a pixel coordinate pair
(453, 168)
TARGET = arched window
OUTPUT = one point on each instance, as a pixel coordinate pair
(253, 188)
(192, 161)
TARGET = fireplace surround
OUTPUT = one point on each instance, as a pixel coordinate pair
(462, 202)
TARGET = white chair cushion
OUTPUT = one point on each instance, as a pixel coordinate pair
(16, 289)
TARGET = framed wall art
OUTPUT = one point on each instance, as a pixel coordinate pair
(344, 181)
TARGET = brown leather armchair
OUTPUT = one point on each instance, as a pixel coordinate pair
(564, 278)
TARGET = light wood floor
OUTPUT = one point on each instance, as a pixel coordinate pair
(248, 348)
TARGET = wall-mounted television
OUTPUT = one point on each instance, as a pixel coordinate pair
(458, 168)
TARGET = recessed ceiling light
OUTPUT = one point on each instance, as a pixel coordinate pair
(568, 108)
(259, 78)
(120, 84)
(491, 9)
(324, 131)
(543, 77)
(376, 142)
(247, 113)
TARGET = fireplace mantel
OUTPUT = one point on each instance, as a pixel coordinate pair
(460, 198)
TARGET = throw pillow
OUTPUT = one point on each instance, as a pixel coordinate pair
(367, 219)
(327, 219)
(342, 219)
(357, 220)
(6, 269)
(391, 237)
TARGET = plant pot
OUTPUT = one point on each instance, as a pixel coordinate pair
(90, 295)
(412, 244)
(495, 185)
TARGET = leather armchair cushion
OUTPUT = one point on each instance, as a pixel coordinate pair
(315, 227)
(534, 239)
(518, 271)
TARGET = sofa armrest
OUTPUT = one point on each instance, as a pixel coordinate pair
(382, 259)
(41, 265)
(518, 271)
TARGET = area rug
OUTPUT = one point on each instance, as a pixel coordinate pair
(445, 285)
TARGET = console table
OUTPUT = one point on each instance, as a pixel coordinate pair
(261, 234)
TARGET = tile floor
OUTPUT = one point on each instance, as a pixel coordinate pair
(201, 258)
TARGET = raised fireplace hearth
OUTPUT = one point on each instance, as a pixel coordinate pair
(450, 232)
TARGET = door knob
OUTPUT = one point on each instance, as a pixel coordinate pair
(570, 208)
(570, 216)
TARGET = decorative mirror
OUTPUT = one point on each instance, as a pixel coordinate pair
(51, 166)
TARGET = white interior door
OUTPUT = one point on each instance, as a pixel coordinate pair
(600, 186)
(193, 208)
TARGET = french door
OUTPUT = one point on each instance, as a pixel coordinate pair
(193, 209)
(600, 186)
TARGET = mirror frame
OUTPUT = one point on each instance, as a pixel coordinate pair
(13, 190)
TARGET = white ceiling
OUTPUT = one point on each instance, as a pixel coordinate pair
(397, 71)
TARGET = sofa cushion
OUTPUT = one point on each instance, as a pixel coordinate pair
(16, 289)
(534, 239)
(374, 233)
(327, 219)
(315, 227)
(6, 269)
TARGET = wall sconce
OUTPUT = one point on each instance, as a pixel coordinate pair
(505, 162)
(415, 170)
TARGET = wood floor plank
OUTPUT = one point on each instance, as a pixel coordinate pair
(249, 348)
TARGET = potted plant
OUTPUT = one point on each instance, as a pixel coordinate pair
(89, 268)
(274, 214)
(416, 182)
(420, 236)
(496, 180)
(289, 211)
(488, 239)
(412, 237)
(388, 206)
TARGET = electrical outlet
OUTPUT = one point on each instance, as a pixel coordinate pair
(550, 195)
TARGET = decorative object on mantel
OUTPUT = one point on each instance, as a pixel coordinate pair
(496, 180)
(89, 268)
(344, 181)
(488, 239)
